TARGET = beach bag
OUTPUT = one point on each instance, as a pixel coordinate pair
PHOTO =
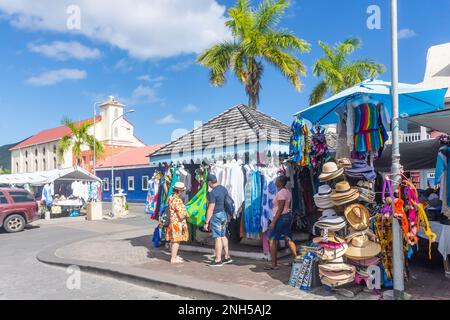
(229, 206)
(156, 237)
(165, 217)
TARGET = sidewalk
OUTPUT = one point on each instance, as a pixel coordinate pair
(130, 255)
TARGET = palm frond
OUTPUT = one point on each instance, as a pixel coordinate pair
(286, 40)
(63, 146)
(318, 93)
(218, 60)
(269, 13)
(242, 19)
(288, 65)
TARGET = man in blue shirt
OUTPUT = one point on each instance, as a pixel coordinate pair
(217, 220)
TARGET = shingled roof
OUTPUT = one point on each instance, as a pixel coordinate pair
(237, 125)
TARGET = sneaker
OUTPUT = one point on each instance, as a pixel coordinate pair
(216, 264)
(228, 261)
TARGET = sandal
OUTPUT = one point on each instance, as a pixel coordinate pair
(271, 268)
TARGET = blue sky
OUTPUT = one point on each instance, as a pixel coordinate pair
(49, 72)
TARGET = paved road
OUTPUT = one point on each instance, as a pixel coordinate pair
(23, 277)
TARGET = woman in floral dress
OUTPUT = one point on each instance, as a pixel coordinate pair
(177, 231)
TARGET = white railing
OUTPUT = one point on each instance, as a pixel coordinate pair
(409, 137)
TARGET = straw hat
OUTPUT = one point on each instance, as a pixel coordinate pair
(323, 197)
(344, 193)
(344, 163)
(336, 265)
(330, 171)
(179, 186)
(362, 248)
(365, 262)
(337, 275)
(357, 216)
(335, 283)
(332, 254)
(330, 238)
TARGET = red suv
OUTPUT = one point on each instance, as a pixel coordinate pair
(17, 208)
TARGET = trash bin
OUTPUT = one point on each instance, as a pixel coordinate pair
(94, 211)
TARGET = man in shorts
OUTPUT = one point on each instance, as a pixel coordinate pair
(217, 220)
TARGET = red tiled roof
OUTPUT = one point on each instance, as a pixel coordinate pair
(50, 135)
(131, 157)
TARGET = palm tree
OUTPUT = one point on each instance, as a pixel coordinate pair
(338, 73)
(256, 39)
(78, 137)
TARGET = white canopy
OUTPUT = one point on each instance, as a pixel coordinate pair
(44, 177)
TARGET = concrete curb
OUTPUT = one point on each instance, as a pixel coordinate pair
(171, 283)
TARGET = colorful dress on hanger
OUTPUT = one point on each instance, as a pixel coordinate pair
(299, 145)
(269, 191)
(196, 208)
(370, 135)
(319, 154)
(252, 214)
(152, 197)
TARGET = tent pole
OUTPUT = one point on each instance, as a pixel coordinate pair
(398, 256)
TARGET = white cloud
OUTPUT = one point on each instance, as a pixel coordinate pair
(145, 94)
(190, 108)
(52, 77)
(147, 78)
(65, 50)
(406, 33)
(183, 65)
(145, 29)
(123, 65)
(169, 119)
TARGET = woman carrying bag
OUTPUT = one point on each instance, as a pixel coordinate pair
(177, 230)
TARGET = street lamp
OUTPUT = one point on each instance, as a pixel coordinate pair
(113, 183)
(397, 241)
(95, 144)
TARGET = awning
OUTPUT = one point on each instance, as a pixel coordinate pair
(418, 155)
(413, 100)
(438, 120)
(44, 177)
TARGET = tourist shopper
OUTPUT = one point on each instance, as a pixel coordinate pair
(177, 231)
(217, 221)
(280, 227)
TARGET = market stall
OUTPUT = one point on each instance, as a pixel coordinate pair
(353, 237)
(61, 191)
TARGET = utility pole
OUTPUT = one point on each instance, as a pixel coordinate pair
(398, 256)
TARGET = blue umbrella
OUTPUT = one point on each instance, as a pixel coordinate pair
(413, 100)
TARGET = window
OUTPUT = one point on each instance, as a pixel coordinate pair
(44, 151)
(130, 183)
(145, 183)
(106, 184)
(55, 164)
(44, 165)
(54, 149)
(3, 199)
(118, 184)
(36, 166)
(26, 166)
(36, 152)
(21, 197)
(26, 154)
(17, 167)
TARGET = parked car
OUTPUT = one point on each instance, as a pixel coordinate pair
(17, 209)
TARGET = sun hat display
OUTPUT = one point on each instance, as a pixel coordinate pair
(330, 221)
(366, 193)
(365, 262)
(344, 163)
(337, 275)
(179, 186)
(330, 237)
(344, 193)
(336, 283)
(322, 198)
(327, 254)
(336, 265)
(330, 171)
(357, 216)
(361, 247)
(361, 170)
